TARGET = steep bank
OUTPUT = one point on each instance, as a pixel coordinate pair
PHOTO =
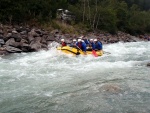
(16, 39)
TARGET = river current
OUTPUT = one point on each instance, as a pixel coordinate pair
(52, 82)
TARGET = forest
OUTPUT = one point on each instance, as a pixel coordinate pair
(132, 16)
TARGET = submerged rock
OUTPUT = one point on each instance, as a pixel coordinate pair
(111, 88)
(148, 65)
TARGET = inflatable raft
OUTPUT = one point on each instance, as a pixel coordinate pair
(77, 51)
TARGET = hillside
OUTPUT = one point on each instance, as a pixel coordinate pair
(132, 16)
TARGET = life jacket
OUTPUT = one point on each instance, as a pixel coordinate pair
(63, 44)
(79, 45)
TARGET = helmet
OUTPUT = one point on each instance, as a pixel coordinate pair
(74, 40)
(82, 40)
(91, 39)
(62, 40)
(81, 37)
(95, 40)
(79, 40)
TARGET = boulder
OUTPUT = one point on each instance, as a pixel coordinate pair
(38, 39)
(2, 42)
(33, 33)
(111, 88)
(35, 46)
(50, 38)
(16, 36)
(1, 32)
(25, 47)
(23, 33)
(1, 36)
(21, 29)
(13, 49)
(7, 37)
(30, 38)
(10, 41)
(3, 52)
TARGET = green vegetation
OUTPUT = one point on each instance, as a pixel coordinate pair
(131, 16)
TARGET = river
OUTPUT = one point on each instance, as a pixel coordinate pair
(52, 82)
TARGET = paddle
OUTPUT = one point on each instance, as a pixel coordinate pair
(78, 53)
(94, 53)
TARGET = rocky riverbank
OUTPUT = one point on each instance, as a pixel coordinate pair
(17, 39)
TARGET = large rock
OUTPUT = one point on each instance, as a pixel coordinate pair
(30, 38)
(50, 38)
(10, 41)
(2, 42)
(1, 32)
(33, 33)
(13, 49)
(3, 52)
(35, 46)
(111, 88)
(7, 37)
(1, 36)
(25, 47)
(16, 36)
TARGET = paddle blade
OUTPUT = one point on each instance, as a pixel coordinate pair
(94, 53)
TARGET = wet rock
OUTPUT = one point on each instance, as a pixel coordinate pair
(13, 49)
(25, 47)
(112, 88)
(148, 65)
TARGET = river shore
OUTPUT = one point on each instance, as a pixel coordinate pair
(17, 39)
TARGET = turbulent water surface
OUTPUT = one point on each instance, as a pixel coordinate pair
(51, 82)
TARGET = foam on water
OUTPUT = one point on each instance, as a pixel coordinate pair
(59, 82)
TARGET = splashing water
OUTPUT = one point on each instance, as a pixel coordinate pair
(52, 82)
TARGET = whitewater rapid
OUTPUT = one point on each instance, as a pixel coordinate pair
(52, 82)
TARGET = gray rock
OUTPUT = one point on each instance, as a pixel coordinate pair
(2, 42)
(23, 32)
(13, 49)
(1, 32)
(17, 37)
(3, 52)
(1, 36)
(30, 38)
(35, 46)
(10, 41)
(33, 33)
